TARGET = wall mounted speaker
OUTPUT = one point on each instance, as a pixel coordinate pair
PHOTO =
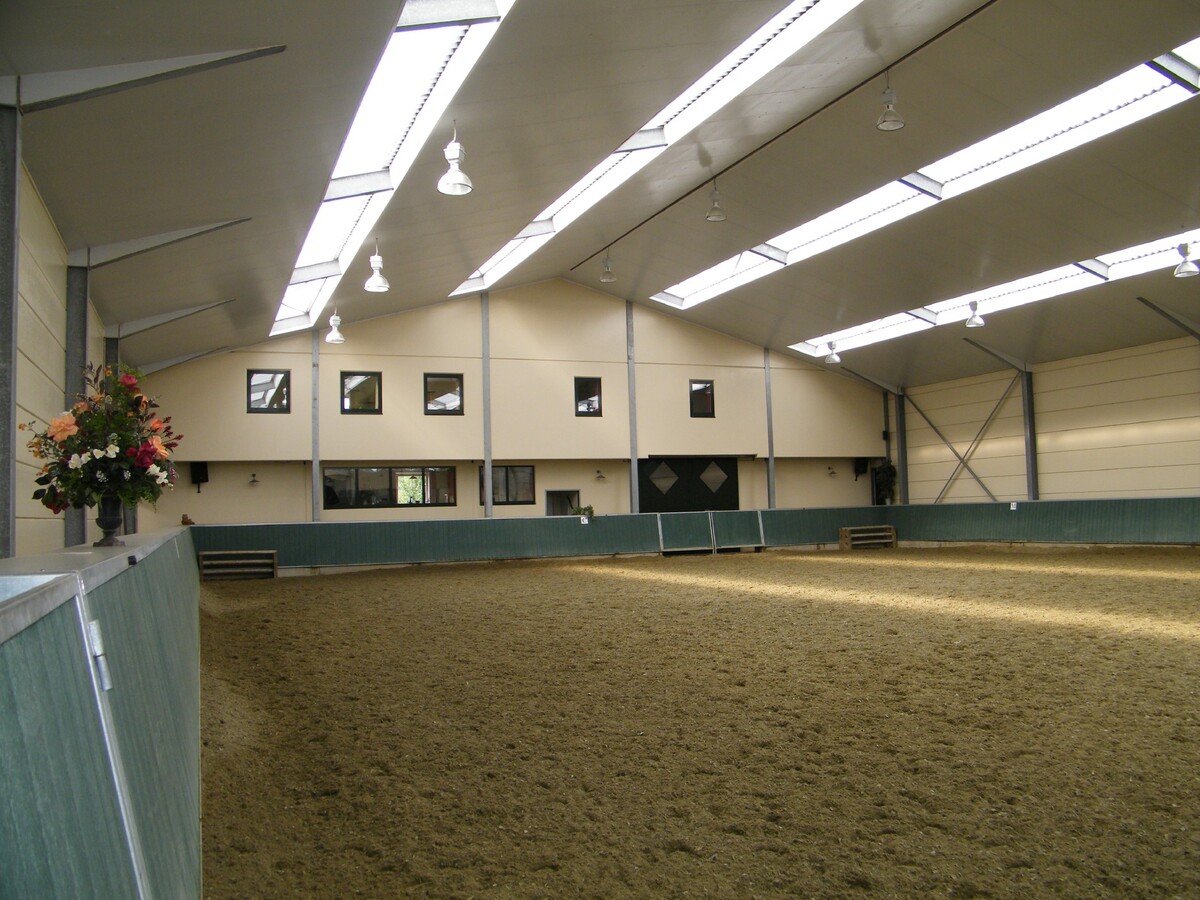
(199, 474)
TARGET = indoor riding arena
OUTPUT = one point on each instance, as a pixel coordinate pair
(947, 722)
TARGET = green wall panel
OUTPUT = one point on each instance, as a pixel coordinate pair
(686, 531)
(738, 528)
(60, 825)
(149, 615)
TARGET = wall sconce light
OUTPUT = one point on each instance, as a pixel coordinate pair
(600, 476)
(253, 479)
(832, 471)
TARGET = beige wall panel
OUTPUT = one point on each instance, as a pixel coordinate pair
(1152, 412)
(819, 414)
(38, 397)
(206, 399)
(42, 347)
(1147, 456)
(281, 495)
(1003, 438)
(45, 298)
(449, 329)
(806, 483)
(403, 432)
(659, 338)
(752, 483)
(557, 320)
(40, 535)
(1184, 385)
(665, 426)
(533, 410)
(1170, 481)
(1180, 355)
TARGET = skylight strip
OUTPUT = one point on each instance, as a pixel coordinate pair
(417, 77)
(1115, 104)
(1056, 282)
(769, 46)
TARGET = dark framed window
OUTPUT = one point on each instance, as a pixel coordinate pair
(587, 397)
(701, 398)
(362, 393)
(511, 485)
(443, 394)
(268, 390)
(364, 487)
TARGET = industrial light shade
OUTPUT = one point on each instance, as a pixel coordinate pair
(889, 119)
(975, 320)
(715, 213)
(335, 336)
(833, 359)
(455, 182)
(1187, 268)
(377, 283)
(607, 276)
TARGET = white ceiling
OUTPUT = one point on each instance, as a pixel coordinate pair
(560, 87)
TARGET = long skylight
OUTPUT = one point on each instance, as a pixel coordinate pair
(772, 44)
(425, 63)
(1158, 254)
(1121, 101)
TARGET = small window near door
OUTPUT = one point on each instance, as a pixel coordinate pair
(701, 396)
(587, 396)
(267, 390)
(562, 503)
(443, 394)
(362, 393)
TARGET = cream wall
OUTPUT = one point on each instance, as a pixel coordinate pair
(818, 413)
(1119, 424)
(808, 483)
(282, 494)
(41, 357)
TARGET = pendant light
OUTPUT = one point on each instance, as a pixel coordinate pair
(377, 283)
(975, 320)
(335, 336)
(889, 119)
(455, 182)
(607, 276)
(833, 359)
(716, 213)
(1187, 268)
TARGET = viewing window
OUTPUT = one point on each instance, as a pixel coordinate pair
(362, 487)
(511, 485)
(362, 393)
(587, 397)
(702, 399)
(268, 390)
(443, 395)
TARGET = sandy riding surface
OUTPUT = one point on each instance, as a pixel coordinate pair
(935, 722)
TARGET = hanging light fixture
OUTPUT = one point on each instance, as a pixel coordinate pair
(1187, 268)
(975, 320)
(833, 359)
(607, 276)
(716, 213)
(335, 336)
(889, 119)
(377, 283)
(455, 182)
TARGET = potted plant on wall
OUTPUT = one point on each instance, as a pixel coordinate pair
(110, 450)
(884, 480)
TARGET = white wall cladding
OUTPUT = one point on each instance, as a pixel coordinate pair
(1118, 424)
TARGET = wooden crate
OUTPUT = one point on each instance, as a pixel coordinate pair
(862, 536)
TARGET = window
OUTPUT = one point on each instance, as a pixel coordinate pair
(362, 393)
(511, 485)
(587, 397)
(373, 486)
(268, 390)
(701, 399)
(443, 394)
(562, 503)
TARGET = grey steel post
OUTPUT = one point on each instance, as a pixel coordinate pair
(318, 492)
(487, 405)
(10, 165)
(75, 520)
(770, 432)
(1031, 463)
(901, 448)
(634, 499)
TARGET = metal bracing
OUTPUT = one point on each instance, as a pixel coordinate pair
(962, 462)
(1028, 420)
(1184, 325)
(975, 443)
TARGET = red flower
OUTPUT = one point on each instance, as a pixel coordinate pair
(130, 381)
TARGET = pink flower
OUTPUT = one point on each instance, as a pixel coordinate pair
(156, 442)
(62, 427)
(130, 381)
(156, 425)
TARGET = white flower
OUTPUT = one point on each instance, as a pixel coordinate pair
(76, 461)
(98, 453)
(101, 477)
(127, 474)
(159, 475)
(111, 451)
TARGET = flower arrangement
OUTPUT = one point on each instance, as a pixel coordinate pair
(109, 444)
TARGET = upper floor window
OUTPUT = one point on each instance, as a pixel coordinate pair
(443, 394)
(362, 392)
(701, 399)
(268, 390)
(587, 397)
